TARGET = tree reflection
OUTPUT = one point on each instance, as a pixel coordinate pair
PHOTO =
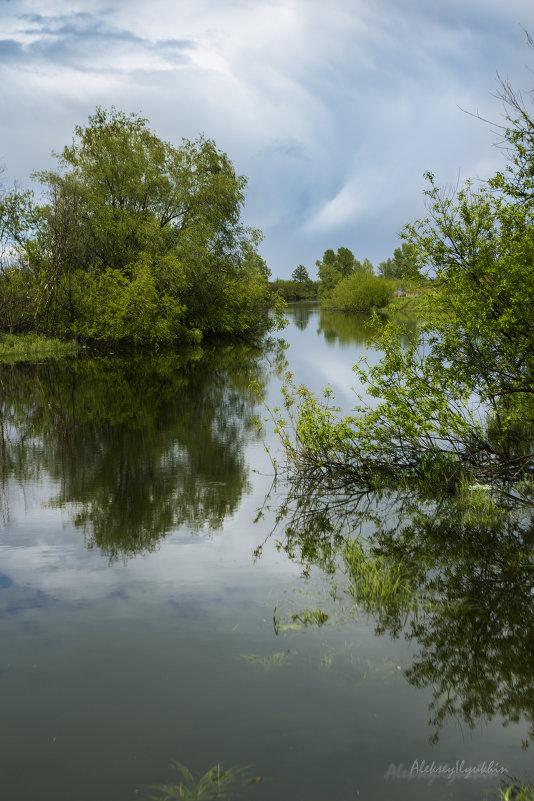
(300, 313)
(476, 636)
(463, 591)
(347, 328)
(351, 329)
(138, 445)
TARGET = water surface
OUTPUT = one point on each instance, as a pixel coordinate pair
(137, 617)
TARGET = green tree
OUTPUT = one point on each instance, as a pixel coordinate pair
(333, 267)
(300, 275)
(402, 265)
(142, 241)
(19, 223)
(456, 404)
(345, 261)
(328, 272)
(366, 267)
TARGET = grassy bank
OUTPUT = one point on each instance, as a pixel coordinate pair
(29, 347)
(411, 305)
(414, 304)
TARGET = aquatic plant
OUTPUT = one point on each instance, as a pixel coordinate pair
(516, 792)
(376, 582)
(29, 347)
(215, 783)
(310, 616)
(267, 661)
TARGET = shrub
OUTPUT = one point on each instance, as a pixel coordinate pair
(360, 292)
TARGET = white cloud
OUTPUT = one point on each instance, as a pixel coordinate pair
(332, 110)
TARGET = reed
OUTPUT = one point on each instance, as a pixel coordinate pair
(373, 581)
(28, 347)
(216, 783)
(516, 792)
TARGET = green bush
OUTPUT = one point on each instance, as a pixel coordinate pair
(359, 292)
(294, 290)
(140, 242)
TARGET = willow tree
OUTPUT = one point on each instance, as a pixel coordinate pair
(456, 404)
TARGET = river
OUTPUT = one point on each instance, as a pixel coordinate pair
(153, 612)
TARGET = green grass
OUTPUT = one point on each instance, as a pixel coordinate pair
(415, 304)
(308, 616)
(374, 582)
(29, 347)
(215, 783)
(267, 662)
(517, 793)
(406, 305)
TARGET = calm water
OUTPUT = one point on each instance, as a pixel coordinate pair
(137, 616)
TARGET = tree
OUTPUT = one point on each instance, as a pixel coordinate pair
(333, 267)
(345, 261)
(300, 275)
(402, 265)
(105, 430)
(19, 222)
(366, 267)
(456, 405)
(141, 240)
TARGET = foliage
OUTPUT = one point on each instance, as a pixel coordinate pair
(414, 305)
(294, 290)
(18, 218)
(336, 266)
(310, 616)
(215, 783)
(300, 275)
(457, 402)
(517, 793)
(140, 241)
(135, 446)
(18, 224)
(360, 292)
(517, 136)
(375, 581)
(29, 347)
(403, 265)
(442, 570)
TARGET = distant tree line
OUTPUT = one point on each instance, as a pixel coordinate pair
(135, 241)
(346, 283)
(351, 285)
(300, 287)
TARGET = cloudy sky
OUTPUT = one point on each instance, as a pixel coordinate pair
(333, 110)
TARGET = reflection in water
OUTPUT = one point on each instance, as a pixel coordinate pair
(123, 669)
(348, 328)
(456, 578)
(137, 446)
(476, 636)
(300, 313)
(343, 327)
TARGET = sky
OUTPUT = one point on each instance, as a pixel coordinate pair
(333, 110)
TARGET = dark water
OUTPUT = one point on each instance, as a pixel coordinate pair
(137, 616)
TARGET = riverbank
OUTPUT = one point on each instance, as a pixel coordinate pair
(414, 304)
(29, 347)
